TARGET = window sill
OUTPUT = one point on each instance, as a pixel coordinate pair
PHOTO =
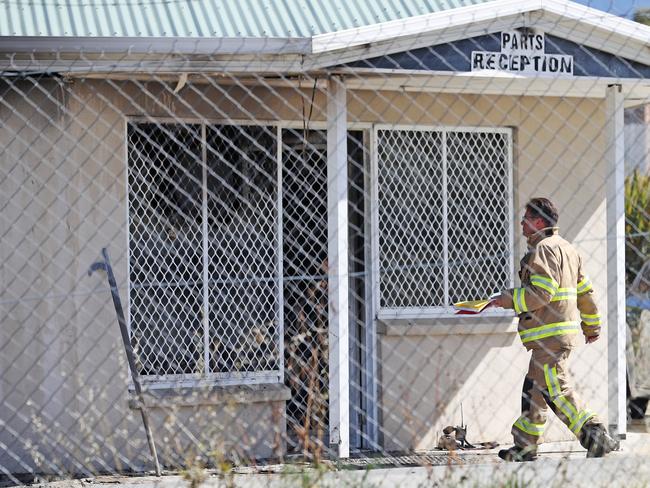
(214, 395)
(437, 313)
(480, 324)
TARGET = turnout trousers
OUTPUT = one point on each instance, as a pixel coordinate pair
(548, 385)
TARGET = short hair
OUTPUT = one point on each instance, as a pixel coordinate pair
(544, 209)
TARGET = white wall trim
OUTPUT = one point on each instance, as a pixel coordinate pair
(616, 327)
(338, 283)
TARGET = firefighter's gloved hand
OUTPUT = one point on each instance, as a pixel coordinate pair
(499, 301)
(590, 339)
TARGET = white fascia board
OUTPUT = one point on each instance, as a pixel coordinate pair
(168, 66)
(598, 19)
(632, 47)
(637, 102)
(580, 24)
(155, 45)
(389, 46)
(490, 83)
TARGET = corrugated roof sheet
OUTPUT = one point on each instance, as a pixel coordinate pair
(205, 18)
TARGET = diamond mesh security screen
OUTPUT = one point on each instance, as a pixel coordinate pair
(242, 249)
(444, 215)
(304, 162)
(203, 242)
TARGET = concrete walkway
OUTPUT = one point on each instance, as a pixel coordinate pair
(560, 465)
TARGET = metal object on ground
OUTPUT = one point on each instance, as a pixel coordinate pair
(130, 356)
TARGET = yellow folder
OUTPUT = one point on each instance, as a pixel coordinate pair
(471, 306)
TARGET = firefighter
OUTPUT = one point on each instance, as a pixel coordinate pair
(555, 304)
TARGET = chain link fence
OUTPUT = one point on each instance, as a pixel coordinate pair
(289, 225)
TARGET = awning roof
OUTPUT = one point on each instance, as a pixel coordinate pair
(206, 18)
(326, 52)
(563, 18)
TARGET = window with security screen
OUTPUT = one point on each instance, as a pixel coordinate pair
(443, 216)
(204, 270)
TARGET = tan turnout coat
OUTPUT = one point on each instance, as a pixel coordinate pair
(555, 301)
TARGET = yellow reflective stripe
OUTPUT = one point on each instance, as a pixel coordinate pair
(561, 398)
(546, 279)
(524, 425)
(564, 294)
(590, 315)
(550, 334)
(547, 377)
(519, 300)
(584, 286)
(543, 285)
(590, 319)
(549, 330)
(579, 422)
(515, 300)
(560, 401)
(548, 284)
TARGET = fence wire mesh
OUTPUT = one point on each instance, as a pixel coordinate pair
(290, 221)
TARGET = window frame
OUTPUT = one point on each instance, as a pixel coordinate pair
(207, 379)
(409, 313)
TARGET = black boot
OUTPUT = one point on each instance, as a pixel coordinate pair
(519, 454)
(595, 439)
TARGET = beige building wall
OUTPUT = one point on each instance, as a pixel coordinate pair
(64, 371)
(64, 375)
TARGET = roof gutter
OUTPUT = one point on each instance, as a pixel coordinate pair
(156, 45)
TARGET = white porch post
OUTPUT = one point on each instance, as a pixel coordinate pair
(337, 205)
(615, 324)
